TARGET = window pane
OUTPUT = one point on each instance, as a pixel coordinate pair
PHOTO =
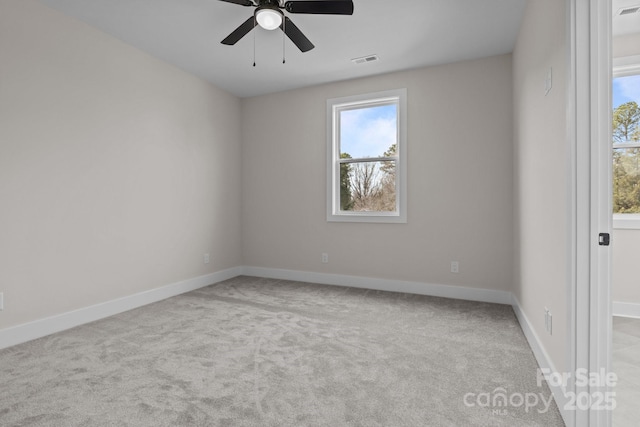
(626, 180)
(368, 132)
(626, 112)
(626, 129)
(368, 186)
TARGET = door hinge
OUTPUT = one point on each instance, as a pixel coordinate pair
(604, 239)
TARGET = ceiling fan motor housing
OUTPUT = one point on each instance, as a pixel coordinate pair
(269, 3)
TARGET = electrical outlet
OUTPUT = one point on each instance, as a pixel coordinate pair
(206, 258)
(1, 301)
(455, 267)
(325, 258)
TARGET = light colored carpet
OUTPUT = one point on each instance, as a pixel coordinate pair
(626, 365)
(261, 352)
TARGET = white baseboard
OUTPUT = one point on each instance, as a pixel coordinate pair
(544, 361)
(50, 325)
(445, 291)
(42, 327)
(626, 309)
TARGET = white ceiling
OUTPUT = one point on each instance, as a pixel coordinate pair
(403, 33)
(625, 24)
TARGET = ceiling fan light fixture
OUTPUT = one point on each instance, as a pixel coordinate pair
(268, 18)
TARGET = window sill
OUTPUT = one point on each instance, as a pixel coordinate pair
(626, 221)
(368, 217)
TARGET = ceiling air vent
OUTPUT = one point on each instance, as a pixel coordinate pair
(628, 10)
(363, 59)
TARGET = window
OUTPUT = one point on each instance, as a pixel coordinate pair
(626, 145)
(367, 158)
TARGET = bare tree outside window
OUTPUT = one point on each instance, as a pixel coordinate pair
(371, 184)
(626, 158)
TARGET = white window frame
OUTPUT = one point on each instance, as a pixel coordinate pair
(334, 106)
(622, 67)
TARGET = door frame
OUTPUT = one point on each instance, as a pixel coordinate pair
(589, 133)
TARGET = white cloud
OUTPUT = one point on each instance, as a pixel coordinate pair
(368, 132)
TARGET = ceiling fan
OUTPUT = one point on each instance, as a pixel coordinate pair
(269, 15)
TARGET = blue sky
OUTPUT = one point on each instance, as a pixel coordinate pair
(368, 132)
(626, 89)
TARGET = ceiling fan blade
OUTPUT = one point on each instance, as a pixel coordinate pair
(240, 2)
(240, 32)
(296, 35)
(321, 7)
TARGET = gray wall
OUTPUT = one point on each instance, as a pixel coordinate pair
(117, 171)
(541, 165)
(625, 276)
(460, 194)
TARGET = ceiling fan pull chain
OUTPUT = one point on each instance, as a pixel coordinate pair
(254, 41)
(283, 51)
